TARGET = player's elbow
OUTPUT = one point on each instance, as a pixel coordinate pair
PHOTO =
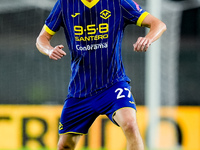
(37, 43)
(163, 26)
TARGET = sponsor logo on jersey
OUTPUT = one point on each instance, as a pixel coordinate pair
(92, 32)
(92, 38)
(92, 47)
(105, 14)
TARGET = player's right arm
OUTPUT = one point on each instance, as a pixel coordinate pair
(44, 46)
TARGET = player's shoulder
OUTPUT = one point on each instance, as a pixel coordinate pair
(128, 3)
(131, 5)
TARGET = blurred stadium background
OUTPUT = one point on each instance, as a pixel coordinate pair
(33, 87)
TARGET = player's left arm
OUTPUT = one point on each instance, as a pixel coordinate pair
(157, 28)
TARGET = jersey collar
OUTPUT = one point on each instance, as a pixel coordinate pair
(90, 4)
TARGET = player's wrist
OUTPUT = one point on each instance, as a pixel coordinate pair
(50, 52)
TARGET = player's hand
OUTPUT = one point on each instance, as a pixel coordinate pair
(57, 52)
(142, 44)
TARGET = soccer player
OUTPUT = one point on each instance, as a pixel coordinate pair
(98, 84)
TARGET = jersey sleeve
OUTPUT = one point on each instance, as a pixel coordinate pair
(132, 12)
(54, 20)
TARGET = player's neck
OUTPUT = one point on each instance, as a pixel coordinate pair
(89, 0)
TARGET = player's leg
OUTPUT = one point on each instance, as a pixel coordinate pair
(68, 141)
(76, 118)
(126, 119)
(119, 105)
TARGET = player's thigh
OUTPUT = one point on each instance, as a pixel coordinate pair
(69, 140)
(126, 118)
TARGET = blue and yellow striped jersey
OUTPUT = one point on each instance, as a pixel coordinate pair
(94, 32)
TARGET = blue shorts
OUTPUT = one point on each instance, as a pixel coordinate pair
(79, 114)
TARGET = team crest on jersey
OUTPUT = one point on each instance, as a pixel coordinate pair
(105, 14)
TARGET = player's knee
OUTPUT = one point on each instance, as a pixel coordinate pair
(68, 141)
(130, 127)
(65, 146)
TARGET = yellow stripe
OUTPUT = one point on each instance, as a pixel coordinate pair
(73, 133)
(90, 4)
(46, 28)
(141, 18)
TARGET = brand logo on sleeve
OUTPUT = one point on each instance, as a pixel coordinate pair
(137, 6)
(105, 14)
(131, 102)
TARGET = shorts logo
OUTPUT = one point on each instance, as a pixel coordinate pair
(60, 126)
(131, 102)
(105, 14)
